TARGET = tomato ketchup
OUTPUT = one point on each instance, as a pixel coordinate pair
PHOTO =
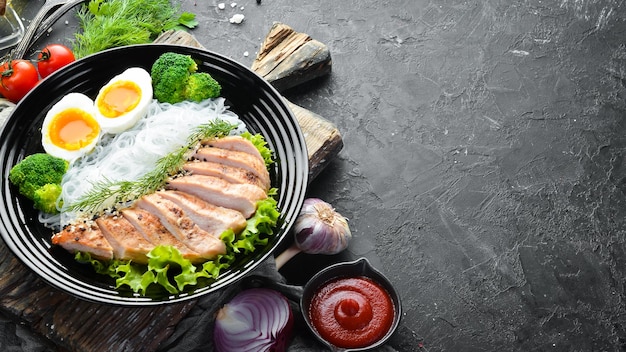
(352, 312)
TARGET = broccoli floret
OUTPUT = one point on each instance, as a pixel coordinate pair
(202, 86)
(169, 60)
(175, 79)
(170, 88)
(36, 171)
(45, 198)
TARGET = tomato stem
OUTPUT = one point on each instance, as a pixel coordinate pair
(45, 55)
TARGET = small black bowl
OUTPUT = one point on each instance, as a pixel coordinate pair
(358, 268)
(303, 295)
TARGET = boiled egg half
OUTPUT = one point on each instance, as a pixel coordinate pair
(124, 100)
(70, 129)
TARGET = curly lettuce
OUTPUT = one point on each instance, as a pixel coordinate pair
(261, 144)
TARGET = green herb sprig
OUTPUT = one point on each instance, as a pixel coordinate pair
(108, 24)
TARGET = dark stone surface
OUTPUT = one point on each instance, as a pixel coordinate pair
(483, 169)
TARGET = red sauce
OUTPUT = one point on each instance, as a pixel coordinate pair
(352, 312)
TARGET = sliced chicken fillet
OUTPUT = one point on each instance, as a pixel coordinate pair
(182, 227)
(231, 174)
(237, 159)
(211, 218)
(84, 237)
(127, 242)
(153, 231)
(235, 143)
(214, 190)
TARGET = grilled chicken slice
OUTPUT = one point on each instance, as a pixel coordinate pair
(211, 218)
(229, 173)
(84, 237)
(239, 159)
(226, 180)
(127, 242)
(235, 143)
(182, 227)
(214, 190)
(153, 231)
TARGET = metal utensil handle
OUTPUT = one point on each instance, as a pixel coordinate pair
(20, 51)
(58, 13)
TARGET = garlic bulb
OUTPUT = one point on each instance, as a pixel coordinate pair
(319, 229)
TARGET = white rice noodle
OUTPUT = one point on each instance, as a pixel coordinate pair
(131, 154)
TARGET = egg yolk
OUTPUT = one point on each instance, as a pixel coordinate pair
(119, 98)
(73, 128)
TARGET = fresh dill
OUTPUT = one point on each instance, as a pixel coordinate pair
(109, 193)
(113, 23)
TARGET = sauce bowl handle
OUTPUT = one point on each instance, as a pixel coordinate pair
(292, 292)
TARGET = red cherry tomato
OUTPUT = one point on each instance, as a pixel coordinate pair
(52, 58)
(17, 77)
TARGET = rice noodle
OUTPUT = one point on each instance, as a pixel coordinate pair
(131, 154)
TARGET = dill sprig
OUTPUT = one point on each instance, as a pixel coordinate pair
(112, 23)
(109, 194)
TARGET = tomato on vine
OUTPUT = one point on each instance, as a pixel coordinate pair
(53, 57)
(17, 77)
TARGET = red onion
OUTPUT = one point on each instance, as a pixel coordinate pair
(256, 319)
(318, 229)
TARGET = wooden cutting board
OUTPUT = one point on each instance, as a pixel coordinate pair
(77, 325)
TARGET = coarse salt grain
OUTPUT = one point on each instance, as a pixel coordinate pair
(237, 18)
(221, 6)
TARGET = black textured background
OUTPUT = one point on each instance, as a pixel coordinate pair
(483, 169)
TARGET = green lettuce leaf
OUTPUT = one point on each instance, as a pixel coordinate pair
(258, 228)
(260, 144)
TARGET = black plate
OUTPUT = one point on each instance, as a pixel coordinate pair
(256, 102)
